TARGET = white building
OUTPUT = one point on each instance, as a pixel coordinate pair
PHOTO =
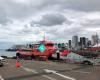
(95, 40)
(75, 42)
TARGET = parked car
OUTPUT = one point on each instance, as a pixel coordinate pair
(76, 58)
(1, 61)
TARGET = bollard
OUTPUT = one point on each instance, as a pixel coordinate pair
(18, 64)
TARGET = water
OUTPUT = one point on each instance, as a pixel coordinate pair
(7, 53)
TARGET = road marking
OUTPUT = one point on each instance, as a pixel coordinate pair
(34, 71)
(81, 72)
(54, 72)
(29, 70)
(1, 78)
(48, 77)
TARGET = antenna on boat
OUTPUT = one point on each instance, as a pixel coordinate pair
(43, 35)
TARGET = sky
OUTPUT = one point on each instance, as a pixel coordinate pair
(26, 20)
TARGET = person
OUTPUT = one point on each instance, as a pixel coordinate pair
(58, 55)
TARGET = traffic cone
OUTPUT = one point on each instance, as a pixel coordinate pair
(18, 64)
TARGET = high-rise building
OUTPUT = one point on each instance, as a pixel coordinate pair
(82, 42)
(95, 39)
(87, 40)
(69, 44)
(89, 43)
(75, 42)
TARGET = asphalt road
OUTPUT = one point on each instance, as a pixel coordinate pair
(47, 70)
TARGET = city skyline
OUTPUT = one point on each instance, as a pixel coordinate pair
(74, 42)
(77, 43)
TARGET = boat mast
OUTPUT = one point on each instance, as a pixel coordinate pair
(44, 36)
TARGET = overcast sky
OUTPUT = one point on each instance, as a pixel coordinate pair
(26, 20)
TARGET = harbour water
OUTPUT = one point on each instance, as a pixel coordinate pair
(7, 53)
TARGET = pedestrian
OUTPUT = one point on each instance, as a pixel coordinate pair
(58, 55)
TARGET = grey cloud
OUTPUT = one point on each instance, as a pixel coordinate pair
(65, 33)
(83, 5)
(23, 10)
(20, 10)
(4, 18)
(79, 5)
(11, 10)
(27, 30)
(92, 23)
(50, 20)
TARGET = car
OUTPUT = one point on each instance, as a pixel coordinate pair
(91, 61)
(76, 58)
(1, 61)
